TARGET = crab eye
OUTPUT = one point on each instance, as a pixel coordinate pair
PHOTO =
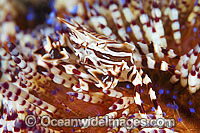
(55, 54)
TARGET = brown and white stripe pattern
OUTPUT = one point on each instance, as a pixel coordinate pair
(11, 91)
(116, 16)
(188, 70)
(100, 23)
(194, 15)
(22, 64)
(173, 16)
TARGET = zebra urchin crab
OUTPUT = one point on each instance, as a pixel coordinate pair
(102, 58)
(106, 63)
